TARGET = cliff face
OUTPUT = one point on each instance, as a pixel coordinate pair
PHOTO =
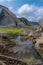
(7, 18)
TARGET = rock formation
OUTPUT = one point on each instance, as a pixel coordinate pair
(39, 45)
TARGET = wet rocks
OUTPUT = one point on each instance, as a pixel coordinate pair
(23, 38)
(25, 35)
(30, 34)
(6, 42)
(38, 62)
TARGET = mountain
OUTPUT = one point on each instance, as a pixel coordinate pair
(8, 19)
(34, 23)
(28, 23)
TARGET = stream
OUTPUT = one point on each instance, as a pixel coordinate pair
(27, 49)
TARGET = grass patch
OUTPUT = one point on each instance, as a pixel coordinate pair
(12, 30)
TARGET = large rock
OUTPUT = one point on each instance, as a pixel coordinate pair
(27, 22)
(8, 19)
(39, 45)
(41, 22)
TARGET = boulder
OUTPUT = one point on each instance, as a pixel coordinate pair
(41, 22)
(2, 63)
(39, 45)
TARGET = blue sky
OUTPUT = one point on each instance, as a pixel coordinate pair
(30, 9)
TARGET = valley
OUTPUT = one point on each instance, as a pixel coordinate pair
(21, 41)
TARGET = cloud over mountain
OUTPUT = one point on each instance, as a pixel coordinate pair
(32, 12)
(25, 9)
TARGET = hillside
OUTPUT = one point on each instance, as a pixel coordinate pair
(28, 23)
(8, 19)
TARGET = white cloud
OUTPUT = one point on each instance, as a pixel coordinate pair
(32, 12)
(39, 11)
(30, 18)
(25, 9)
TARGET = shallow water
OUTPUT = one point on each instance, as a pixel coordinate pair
(22, 44)
(29, 50)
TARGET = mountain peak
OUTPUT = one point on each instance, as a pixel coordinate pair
(8, 19)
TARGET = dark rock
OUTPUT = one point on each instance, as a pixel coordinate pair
(26, 22)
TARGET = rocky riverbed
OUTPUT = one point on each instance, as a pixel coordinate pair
(25, 51)
(21, 50)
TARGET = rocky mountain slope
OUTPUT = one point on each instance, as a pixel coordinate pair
(7, 18)
(28, 23)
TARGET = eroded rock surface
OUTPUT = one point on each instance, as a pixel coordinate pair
(5, 60)
(39, 45)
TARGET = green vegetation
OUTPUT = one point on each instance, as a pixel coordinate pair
(24, 20)
(13, 30)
